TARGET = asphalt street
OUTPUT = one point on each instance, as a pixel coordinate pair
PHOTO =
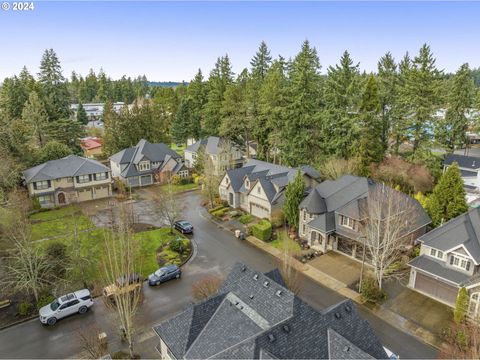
(216, 252)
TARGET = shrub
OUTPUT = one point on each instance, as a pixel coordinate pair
(234, 213)
(178, 245)
(44, 299)
(215, 208)
(415, 252)
(185, 181)
(36, 203)
(246, 218)
(262, 230)
(24, 308)
(206, 287)
(278, 219)
(176, 180)
(220, 212)
(57, 255)
(370, 290)
(461, 306)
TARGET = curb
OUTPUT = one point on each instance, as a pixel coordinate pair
(323, 279)
(19, 322)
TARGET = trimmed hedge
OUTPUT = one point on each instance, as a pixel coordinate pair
(220, 212)
(216, 208)
(262, 230)
(245, 218)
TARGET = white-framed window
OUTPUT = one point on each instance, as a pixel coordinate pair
(347, 222)
(304, 215)
(143, 165)
(247, 184)
(303, 229)
(45, 199)
(474, 306)
(83, 179)
(436, 253)
(42, 185)
(101, 176)
(183, 173)
(460, 262)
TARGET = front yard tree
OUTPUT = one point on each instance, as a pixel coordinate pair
(293, 197)
(82, 115)
(388, 215)
(451, 130)
(35, 117)
(447, 200)
(166, 204)
(210, 181)
(121, 259)
(370, 149)
(461, 306)
(197, 93)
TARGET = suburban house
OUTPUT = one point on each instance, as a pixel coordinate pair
(147, 163)
(449, 260)
(470, 170)
(68, 180)
(259, 187)
(222, 152)
(95, 110)
(91, 146)
(332, 214)
(254, 316)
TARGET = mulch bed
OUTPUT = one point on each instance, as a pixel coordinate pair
(9, 315)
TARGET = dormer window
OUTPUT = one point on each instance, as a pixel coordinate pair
(460, 262)
(144, 165)
(247, 184)
(436, 253)
(347, 222)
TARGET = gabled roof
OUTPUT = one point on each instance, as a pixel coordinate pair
(438, 268)
(254, 317)
(467, 162)
(90, 143)
(212, 145)
(144, 150)
(462, 230)
(69, 166)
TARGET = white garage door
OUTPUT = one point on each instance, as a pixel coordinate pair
(259, 211)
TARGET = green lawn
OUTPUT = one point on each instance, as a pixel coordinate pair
(58, 222)
(283, 240)
(180, 188)
(55, 214)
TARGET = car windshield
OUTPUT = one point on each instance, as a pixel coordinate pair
(54, 305)
(159, 272)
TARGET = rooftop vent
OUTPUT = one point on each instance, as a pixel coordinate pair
(237, 302)
(255, 277)
(337, 315)
(271, 338)
(244, 268)
(251, 296)
(278, 293)
(241, 307)
(266, 283)
(348, 309)
(346, 349)
(286, 328)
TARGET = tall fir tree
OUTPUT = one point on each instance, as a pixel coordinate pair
(370, 145)
(342, 99)
(82, 117)
(300, 131)
(181, 127)
(447, 200)
(293, 197)
(451, 130)
(35, 115)
(261, 62)
(197, 93)
(420, 94)
(53, 86)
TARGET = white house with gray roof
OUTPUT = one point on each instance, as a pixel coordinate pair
(332, 214)
(259, 187)
(254, 316)
(147, 163)
(449, 260)
(223, 153)
(470, 171)
(68, 180)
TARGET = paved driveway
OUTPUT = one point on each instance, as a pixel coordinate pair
(217, 252)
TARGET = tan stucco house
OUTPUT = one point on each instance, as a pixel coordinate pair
(68, 180)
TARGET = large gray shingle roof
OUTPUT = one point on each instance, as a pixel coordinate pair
(69, 166)
(250, 319)
(468, 162)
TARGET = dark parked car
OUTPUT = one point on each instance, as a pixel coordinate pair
(184, 227)
(164, 274)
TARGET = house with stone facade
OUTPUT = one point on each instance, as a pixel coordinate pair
(258, 187)
(68, 180)
(254, 316)
(146, 164)
(331, 216)
(449, 260)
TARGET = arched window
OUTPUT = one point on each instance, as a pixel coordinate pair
(474, 305)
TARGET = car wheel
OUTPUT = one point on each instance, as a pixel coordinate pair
(177, 276)
(51, 321)
(82, 310)
(157, 283)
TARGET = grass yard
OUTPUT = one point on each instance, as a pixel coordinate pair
(283, 240)
(184, 187)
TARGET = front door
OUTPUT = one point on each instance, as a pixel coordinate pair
(61, 198)
(230, 199)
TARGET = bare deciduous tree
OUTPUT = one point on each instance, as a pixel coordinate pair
(334, 168)
(165, 204)
(462, 341)
(206, 287)
(210, 181)
(289, 274)
(388, 216)
(120, 261)
(93, 347)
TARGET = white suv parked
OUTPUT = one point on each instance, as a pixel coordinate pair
(76, 302)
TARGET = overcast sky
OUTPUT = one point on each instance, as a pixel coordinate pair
(170, 41)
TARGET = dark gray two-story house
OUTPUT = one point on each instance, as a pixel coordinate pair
(449, 260)
(331, 216)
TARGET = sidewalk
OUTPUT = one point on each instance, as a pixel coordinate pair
(328, 281)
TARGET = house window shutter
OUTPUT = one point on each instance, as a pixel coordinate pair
(451, 260)
(95, 177)
(106, 175)
(35, 186)
(468, 266)
(89, 177)
(49, 183)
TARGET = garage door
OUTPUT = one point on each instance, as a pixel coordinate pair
(259, 211)
(436, 288)
(101, 192)
(84, 195)
(146, 179)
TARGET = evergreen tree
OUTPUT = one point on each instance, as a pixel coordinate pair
(461, 306)
(197, 93)
(261, 62)
(451, 131)
(53, 150)
(371, 147)
(66, 131)
(53, 85)
(14, 93)
(447, 200)
(181, 127)
(82, 117)
(342, 101)
(421, 95)
(111, 136)
(293, 197)
(35, 117)
(300, 131)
